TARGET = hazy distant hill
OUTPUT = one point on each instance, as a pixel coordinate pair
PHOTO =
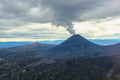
(1, 47)
(34, 46)
(26, 51)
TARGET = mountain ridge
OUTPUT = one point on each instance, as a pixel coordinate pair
(34, 46)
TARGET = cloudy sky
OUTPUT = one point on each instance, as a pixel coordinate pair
(36, 20)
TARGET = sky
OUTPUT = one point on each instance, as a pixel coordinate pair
(39, 20)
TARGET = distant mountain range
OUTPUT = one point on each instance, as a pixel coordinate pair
(34, 46)
(26, 50)
(97, 41)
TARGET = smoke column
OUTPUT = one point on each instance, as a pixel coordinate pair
(67, 25)
(70, 29)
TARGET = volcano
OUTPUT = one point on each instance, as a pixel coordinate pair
(78, 46)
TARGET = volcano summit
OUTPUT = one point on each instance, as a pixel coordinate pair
(78, 46)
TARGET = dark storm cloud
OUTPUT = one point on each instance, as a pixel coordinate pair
(66, 12)
(58, 12)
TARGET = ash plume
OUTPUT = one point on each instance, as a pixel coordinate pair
(68, 26)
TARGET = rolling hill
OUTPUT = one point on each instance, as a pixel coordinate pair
(34, 46)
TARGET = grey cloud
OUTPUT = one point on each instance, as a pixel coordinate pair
(30, 36)
(66, 12)
(58, 12)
